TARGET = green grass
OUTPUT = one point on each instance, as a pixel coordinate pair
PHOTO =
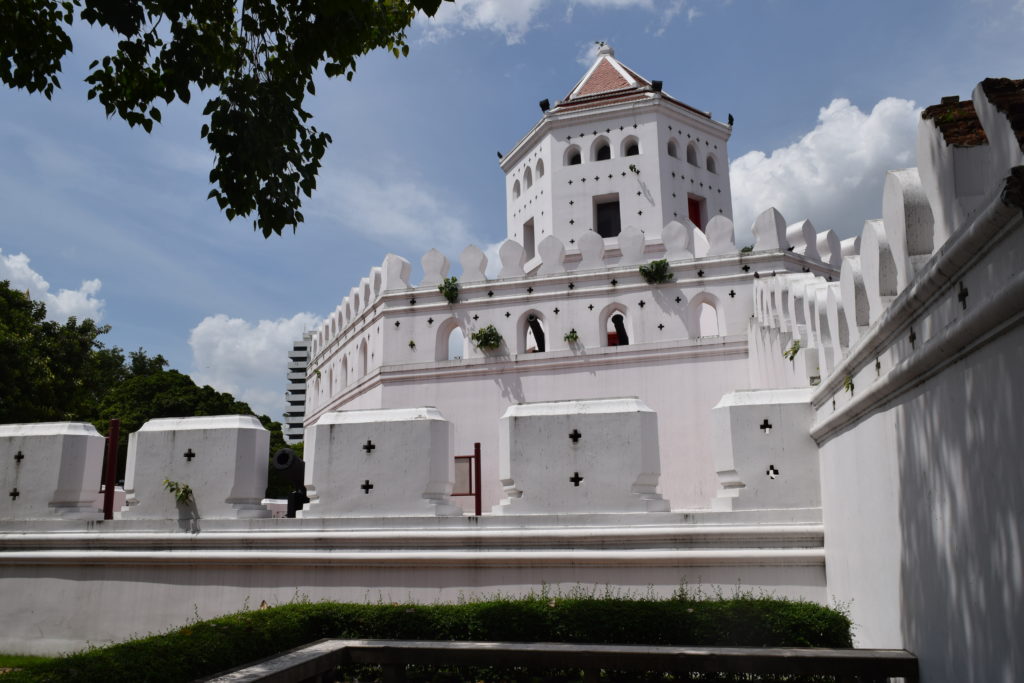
(207, 647)
(19, 661)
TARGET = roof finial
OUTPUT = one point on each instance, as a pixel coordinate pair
(604, 48)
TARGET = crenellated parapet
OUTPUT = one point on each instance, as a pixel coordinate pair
(909, 275)
(580, 299)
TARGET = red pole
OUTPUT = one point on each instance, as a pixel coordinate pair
(110, 476)
(476, 479)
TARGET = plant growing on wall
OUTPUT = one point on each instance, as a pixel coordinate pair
(747, 249)
(571, 337)
(848, 384)
(449, 289)
(794, 348)
(412, 344)
(634, 169)
(487, 338)
(657, 272)
(181, 492)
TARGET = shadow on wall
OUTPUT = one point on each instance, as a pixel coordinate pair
(962, 516)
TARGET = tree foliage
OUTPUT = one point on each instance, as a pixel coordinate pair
(259, 58)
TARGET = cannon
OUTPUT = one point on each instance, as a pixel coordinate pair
(294, 471)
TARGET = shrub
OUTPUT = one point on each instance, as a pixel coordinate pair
(657, 272)
(572, 336)
(794, 348)
(487, 338)
(207, 647)
(450, 289)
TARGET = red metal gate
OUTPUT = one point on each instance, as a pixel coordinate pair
(467, 477)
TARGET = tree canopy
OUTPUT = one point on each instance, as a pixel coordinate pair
(259, 57)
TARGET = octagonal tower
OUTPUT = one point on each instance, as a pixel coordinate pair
(617, 151)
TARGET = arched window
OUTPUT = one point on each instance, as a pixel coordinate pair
(711, 164)
(708, 320)
(456, 344)
(691, 154)
(451, 341)
(540, 169)
(515, 190)
(531, 333)
(572, 156)
(528, 178)
(673, 149)
(344, 371)
(601, 150)
(362, 358)
(702, 316)
(614, 326)
(630, 147)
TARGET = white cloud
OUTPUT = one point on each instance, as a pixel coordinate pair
(588, 53)
(834, 174)
(393, 211)
(245, 359)
(81, 303)
(513, 19)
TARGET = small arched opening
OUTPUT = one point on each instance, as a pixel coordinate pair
(515, 190)
(573, 156)
(615, 327)
(362, 358)
(630, 146)
(528, 179)
(601, 150)
(673, 149)
(540, 169)
(531, 333)
(711, 164)
(451, 341)
(704, 310)
(344, 372)
(691, 154)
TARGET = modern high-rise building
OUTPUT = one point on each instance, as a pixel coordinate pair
(295, 393)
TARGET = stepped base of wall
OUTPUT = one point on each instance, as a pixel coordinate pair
(70, 584)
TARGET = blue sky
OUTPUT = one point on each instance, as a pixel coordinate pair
(105, 221)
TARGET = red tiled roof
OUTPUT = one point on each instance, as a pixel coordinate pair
(604, 78)
(605, 84)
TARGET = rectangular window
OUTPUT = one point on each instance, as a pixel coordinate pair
(695, 207)
(529, 241)
(607, 218)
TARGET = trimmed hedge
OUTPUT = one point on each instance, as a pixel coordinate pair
(207, 647)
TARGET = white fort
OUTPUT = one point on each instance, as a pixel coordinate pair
(821, 419)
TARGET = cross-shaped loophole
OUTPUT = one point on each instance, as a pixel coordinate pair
(575, 478)
(368, 446)
(18, 457)
(15, 493)
(366, 486)
(575, 435)
(189, 455)
(766, 426)
(772, 472)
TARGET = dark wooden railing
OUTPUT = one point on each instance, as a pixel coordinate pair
(316, 662)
